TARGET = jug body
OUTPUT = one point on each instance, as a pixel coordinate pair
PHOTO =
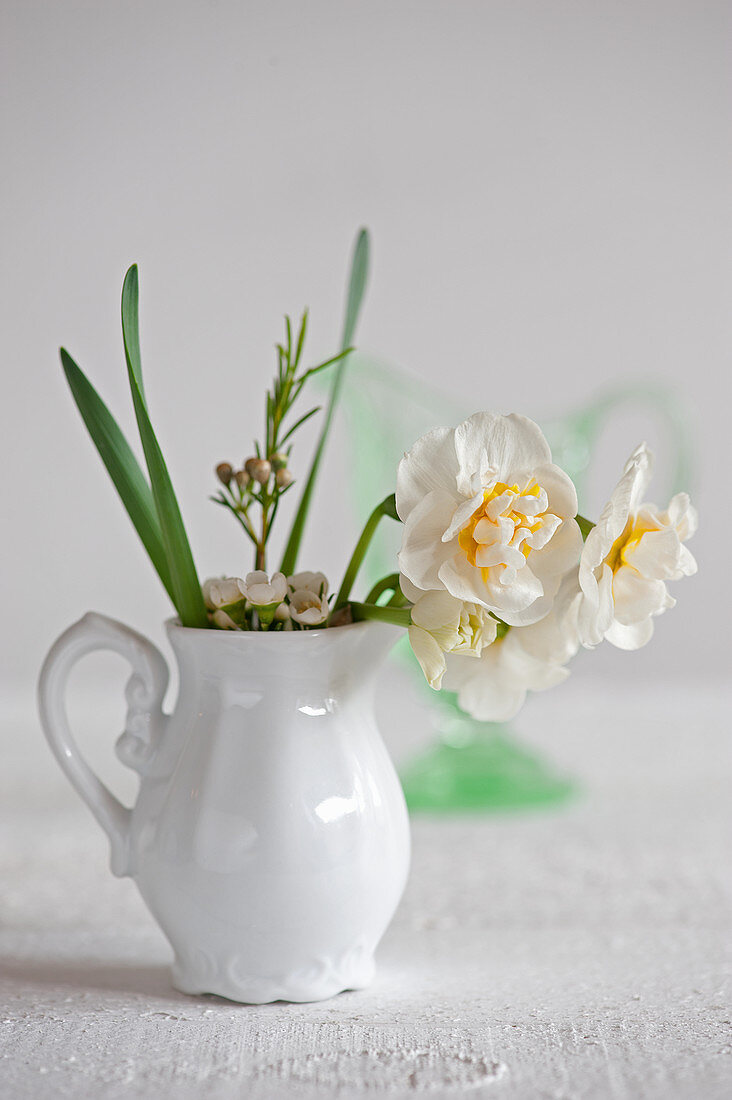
(270, 837)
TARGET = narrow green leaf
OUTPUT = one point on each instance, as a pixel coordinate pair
(356, 288)
(121, 464)
(298, 424)
(184, 579)
(301, 339)
(322, 366)
(131, 326)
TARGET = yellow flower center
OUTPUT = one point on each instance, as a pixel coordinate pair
(507, 526)
(627, 542)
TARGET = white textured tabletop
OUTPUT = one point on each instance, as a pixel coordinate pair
(582, 951)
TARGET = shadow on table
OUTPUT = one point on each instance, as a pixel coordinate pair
(78, 975)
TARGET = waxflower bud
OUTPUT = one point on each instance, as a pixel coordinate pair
(283, 478)
(242, 478)
(278, 460)
(258, 469)
(282, 613)
(223, 621)
(224, 472)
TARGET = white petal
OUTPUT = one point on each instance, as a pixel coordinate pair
(630, 637)
(636, 597)
(687, 562)
(466, 582)
(430, 656)
(483, 690)
(683, 516)
(560, 554)
(511, 443)
(560, 490)
(539, 539)
(461, 516)
(423, 550)
(533, 673)
(595, 610)
(555, 638)
(410, 591)
(436, 609)
(656, 555)
(539, 608)
(431, 464)
(639, 467)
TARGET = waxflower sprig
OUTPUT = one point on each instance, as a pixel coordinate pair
(258, 602)
(149, 498)
(265, 477)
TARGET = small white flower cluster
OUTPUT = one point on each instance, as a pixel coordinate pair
(493, 561)
(299, 602)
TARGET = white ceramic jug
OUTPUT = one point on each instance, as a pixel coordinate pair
(270, 837)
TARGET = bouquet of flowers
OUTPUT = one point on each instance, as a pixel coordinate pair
(500, 579)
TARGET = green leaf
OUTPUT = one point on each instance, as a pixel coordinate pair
(300, 339)
(322, 366)
(184, 579)
(131, 326)
(121, 464)
(356, 288)
(585, 526)
(299, 423)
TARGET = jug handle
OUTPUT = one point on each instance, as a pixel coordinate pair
(143, 728)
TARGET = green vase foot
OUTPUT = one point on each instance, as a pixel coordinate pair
(489, 772)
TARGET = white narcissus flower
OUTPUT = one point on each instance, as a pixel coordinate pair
(488, 517)
(526, 658)
(308, 608)
(628, 557)
(310, 582)
(443, 624)
(261, 592)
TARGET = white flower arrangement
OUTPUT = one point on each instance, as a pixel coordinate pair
(500, 579)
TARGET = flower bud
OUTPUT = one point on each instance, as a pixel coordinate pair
(282, 613)
(278, 460)
(242, 479)
(283, 478)
(258, 469)
(225, 472)
(223, 621)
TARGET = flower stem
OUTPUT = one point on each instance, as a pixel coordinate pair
(399, 616)
(386, 584)
(386, 508)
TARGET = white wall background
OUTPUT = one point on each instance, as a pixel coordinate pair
(547, 185)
